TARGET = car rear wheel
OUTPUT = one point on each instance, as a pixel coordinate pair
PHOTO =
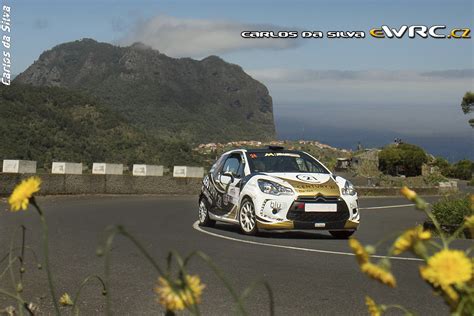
(247, 219)
(203, 215)
(341, 234)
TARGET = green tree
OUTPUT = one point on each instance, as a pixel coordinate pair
(467, 103)
(177, 152)
(405, 159)
(463, 170)
(443, 165)
(57, 124)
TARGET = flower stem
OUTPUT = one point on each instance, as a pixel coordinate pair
(107, 248)
(142, 249)
(20, 301)
(249, 290)
(399, 307)
(194, 308)
(75, 308)
(21, 258)
(12, 274)
(46, 255)
(8, 267)
(459, 230)
(113, 231)
(437, 225)
(221, 276)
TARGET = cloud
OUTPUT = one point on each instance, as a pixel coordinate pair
(421, 103)
(369, 87)
(451, 73)
(308, 75)
(201, 37)
(40, 24)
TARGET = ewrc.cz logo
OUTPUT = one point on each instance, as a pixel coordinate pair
(435, 31)
(410, 31)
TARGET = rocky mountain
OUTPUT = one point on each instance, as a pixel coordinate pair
(201, 101)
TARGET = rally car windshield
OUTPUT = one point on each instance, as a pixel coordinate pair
(283, 162)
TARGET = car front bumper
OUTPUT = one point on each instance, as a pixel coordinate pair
(288, 212)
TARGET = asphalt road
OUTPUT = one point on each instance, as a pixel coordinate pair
(310, 273)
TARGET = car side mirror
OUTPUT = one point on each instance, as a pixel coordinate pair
(226, 178)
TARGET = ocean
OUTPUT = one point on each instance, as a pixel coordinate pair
(441, 130)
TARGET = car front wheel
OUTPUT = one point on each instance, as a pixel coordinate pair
(247, 219)
(203, 215)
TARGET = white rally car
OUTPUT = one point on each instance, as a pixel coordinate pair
(277, 189)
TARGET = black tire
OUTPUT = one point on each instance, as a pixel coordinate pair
(204, 219)
(247, 218)
(341, 234)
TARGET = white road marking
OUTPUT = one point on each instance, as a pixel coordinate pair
(196, 227)
(388, 206)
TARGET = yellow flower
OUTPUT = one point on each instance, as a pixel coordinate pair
(182, 295)
(408, 239)
(65, 300)
(450, 293)
(379, 274)
(373, 308)
(409, 194)
(361, 254)
(447, 267)
(20, 197)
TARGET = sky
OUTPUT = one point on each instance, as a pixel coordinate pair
(409, 88)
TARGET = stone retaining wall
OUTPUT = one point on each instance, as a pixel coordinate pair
(380, 191)
(53, 184)
(104, 184)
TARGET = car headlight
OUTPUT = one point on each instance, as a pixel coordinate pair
(273, 188)
(348, 189)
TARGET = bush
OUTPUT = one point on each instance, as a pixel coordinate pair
(451, 210)
(434, 179)
(462, 170)
(443, 165)
(471, 183)
(467, 103)
(403, 159)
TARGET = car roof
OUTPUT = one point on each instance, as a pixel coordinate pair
(265, 150)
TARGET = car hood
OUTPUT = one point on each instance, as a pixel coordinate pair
(309, 184)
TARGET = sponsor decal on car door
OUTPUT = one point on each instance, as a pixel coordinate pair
(227, 184)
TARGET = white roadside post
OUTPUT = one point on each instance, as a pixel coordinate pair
(66, 168)
(188, 172)
(18, 166)
(107, 168)
(147, 170)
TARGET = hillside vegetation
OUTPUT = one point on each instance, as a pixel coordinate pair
(56, 124)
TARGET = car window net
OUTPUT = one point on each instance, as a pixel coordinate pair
(284, 162)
